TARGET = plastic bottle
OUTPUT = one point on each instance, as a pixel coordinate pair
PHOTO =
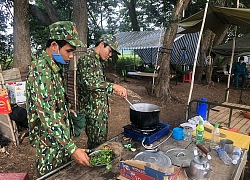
(236, 154)
(199, 133)
(223, 155)
(215, 138)
(201, 108)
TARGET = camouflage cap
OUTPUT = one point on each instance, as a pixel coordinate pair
(65, 30)
(111, 41)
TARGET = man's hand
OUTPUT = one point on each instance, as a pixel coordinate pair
(81, 157)
(248, 76)
(121, 91)
(72, 111)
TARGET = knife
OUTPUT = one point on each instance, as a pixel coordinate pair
(210, 131)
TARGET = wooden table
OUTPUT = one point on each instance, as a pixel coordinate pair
(220, 115)
(146, 74)
(219, 169)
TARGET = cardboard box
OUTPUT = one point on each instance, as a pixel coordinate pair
(135, 169)
(16, 91)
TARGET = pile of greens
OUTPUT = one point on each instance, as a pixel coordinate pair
(102, 157)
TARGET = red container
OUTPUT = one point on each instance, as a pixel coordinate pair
(14, 176)
(247, 115)
(5, 107)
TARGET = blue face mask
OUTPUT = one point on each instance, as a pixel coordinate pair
(58, 58)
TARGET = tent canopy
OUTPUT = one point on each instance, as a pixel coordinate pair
(242, 47)
(217, 19)
(146, 45)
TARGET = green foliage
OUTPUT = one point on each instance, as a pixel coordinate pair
(64, 9)
(38, 35)
(6, 42)
(107, 16)
(128, 63)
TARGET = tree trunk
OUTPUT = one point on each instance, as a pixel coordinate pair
(161, 88)
(132, 14)
(206, 43)
(51, 10)
(209, 40)
(80, 17)
(22, 50)
(40, 14)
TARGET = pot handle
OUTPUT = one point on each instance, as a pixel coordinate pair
(204, 150)
(180, 153)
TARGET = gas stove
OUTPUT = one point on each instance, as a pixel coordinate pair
(147, 135)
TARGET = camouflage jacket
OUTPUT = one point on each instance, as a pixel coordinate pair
(48, 113)
(91, 81)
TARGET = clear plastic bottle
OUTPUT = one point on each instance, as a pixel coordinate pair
(215, 139)
(223, 155)
(199, 133)
(236, 154)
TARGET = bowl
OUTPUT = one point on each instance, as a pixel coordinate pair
(246, 114)
(101, 157)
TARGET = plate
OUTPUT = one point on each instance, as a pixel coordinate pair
(159, 158)
(101, 157)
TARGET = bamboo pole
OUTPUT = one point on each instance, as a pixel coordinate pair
(157, 56)
(232, 57)
(74, 69)
(196, 55)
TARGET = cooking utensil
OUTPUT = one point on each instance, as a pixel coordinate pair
(210, 131)
(227, 145)
(199, 167)
(180, 156)
(145, 116)
(130, 104)
(204, 150)
(156, 157)
(246, 114)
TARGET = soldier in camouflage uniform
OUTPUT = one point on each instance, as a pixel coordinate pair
(93, 89)
(50, 128)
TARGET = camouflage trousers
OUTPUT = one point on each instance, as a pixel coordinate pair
(50, 158)
(97, 126)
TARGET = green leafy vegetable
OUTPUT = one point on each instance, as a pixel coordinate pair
(102, 157)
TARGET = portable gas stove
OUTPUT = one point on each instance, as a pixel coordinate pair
(147, 135)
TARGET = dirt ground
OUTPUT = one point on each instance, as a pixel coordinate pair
(21, 158)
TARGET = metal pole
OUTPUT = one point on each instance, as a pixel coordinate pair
(55, 170)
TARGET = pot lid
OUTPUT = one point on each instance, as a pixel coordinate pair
(156, 157)
(180, 156)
